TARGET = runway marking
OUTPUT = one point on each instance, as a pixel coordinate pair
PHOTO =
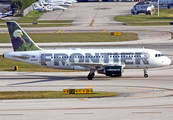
(152, 93)
(81, 99)
(155, 33)
(138, 89)
(77, 113)
(89, 87)
(142, 96)
(58, 31)
(91, 23)
(141, 31)
(9, 114)
(67, 73)
(103, 31)
(145, 112)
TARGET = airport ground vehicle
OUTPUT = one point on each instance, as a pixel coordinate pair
(147, 9)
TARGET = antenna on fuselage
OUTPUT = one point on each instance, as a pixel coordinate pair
(142, 46)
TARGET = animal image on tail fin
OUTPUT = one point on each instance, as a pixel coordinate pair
(20, 40)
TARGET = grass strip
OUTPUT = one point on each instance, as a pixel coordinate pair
(8, 65)
(51, 94)
(164, 18)
(40, 25)
(74, 37)
(148, 23)
(32, 18)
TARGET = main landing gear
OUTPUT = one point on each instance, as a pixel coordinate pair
(91, 74)
(145, 72)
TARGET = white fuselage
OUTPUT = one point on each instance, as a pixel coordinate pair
(68, 59)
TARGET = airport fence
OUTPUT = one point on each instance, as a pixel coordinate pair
(27, 10)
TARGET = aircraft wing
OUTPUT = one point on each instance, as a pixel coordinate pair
(97, 65)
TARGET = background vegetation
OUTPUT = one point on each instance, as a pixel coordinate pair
(21, 4)
(165, 17)
(74, 37)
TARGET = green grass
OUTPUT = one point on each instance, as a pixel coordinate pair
(31, 17)
(165, 15)
(51, 94)
(74, 37)
(34, 15)
(40, 25)
(8, 65)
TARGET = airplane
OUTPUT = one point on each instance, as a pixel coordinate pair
(52, 6)
(60, 3)
(36, 6)
(167, 3)
(9, 13)
(65, 1)
(110, 62)
(57, 7)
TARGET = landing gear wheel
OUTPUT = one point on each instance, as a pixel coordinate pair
(145, 72)
(145, 75)
(90, 77)
(93, 74)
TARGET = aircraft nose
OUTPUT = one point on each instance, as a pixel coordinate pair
(168, 61)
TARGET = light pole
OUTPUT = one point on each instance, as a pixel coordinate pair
(158, 8)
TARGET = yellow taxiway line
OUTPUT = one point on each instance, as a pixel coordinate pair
(58, 31)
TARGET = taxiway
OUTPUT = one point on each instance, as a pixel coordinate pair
(140, 98)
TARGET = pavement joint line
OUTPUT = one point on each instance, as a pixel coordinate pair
(77, 113)
(145, 112)
(153, 93)
(59, 16)
(143, 96)
(9, 114)
(141, 31)
(138, 89)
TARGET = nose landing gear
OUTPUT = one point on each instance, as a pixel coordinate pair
(145, 72)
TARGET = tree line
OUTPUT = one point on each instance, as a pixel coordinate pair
(21, 4)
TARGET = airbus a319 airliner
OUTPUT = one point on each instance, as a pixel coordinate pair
(110, 62)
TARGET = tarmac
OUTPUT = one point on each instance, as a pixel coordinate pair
(140, 98)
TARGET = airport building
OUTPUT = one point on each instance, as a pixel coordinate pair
(5, 0)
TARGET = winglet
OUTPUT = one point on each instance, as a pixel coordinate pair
(19, 38)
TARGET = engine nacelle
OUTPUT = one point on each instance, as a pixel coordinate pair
(111, 70)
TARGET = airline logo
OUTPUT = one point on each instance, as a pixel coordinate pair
(127, 58)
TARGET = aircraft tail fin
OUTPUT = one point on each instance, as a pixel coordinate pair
(19, 38)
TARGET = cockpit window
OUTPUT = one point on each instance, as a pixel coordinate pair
(158, 55)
